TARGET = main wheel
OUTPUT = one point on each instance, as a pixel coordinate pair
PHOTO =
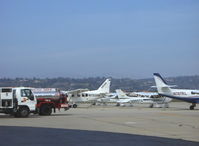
(45, 110)
(192, 107)
(74, 105)
(118, 104)
(151, 105)
(166, 105)
(22, 112)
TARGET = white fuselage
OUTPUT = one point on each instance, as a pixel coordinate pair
(187, 95)
(85, 96)
(183, 92)
(137, 97)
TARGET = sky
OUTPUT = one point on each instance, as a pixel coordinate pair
(99, 38)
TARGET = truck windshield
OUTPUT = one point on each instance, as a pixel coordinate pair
(26, 93)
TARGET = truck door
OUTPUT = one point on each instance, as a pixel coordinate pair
(28, 99)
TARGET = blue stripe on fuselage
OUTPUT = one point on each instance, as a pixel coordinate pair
(187, 99)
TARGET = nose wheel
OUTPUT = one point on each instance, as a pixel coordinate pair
(192, 106)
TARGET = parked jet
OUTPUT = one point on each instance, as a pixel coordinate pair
(187, 95)
(82, 95)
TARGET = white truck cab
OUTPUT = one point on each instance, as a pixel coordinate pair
(17, 101)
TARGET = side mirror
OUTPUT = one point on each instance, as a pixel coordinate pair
(31, 97)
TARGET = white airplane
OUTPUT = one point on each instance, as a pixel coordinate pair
(83, 95)
(123, 98)
(157, 100)
(187, 95)
(108, 98)
(144, 94)
(120, 98)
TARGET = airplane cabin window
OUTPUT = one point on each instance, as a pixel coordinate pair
(194, 92)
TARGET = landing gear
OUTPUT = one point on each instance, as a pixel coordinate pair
(118, 104)
(151, 105)
(166, 105)
(74, 105)
(192, 106)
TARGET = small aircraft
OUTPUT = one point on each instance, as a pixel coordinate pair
(84, 95)
(157, 100)
(108, 98)
(123, 98)
(187, 95)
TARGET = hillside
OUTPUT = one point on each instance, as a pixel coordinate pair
(189, 82)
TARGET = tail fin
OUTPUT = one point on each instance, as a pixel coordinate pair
(105, 87)
(161, 85)
(120, 93)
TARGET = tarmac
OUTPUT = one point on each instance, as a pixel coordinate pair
(105, 125)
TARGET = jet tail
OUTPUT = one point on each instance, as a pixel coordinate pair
(105, 87)
(162, 86)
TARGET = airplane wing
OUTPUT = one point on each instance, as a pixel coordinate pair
(76, 91)
(124, 100)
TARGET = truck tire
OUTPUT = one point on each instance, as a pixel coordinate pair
(22, 112)
(45, 110)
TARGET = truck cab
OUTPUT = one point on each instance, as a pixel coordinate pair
(17, 101)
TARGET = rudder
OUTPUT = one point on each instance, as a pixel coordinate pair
(105, 87)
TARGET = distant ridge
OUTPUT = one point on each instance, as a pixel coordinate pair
(189, 82)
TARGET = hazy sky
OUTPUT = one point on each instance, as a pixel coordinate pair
(89, 38)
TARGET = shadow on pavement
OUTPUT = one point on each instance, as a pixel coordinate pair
(29, 136)
(36, 116)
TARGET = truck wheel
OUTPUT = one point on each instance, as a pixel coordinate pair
(22, 112)
(45, 110)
